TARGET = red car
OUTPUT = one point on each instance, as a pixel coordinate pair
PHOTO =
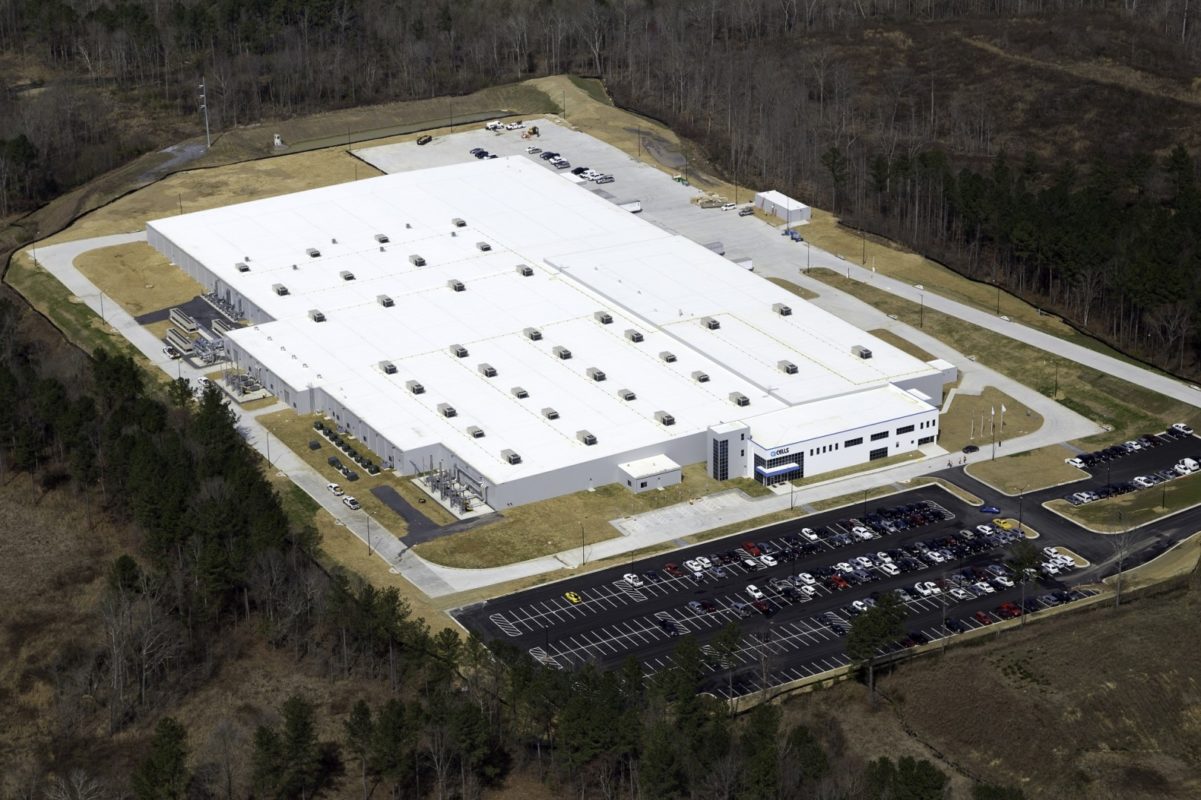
(752, 548)
(983, 618)
(1009, 610)
(763, 607)
(839, 582)
(673, 570)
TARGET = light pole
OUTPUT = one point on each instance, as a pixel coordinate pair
(808, 248)
(791, 496)
(368, 536)
(921, 320)
(582, 559)
(1021, 498)
(204, 106)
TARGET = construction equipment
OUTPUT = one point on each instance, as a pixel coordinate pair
(530, 132)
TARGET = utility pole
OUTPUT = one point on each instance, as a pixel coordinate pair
(582, 543)
(204, 106)
(368, 537)
(921, 320)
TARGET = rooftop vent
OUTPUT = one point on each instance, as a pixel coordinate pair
(668, 356)
(280, 289)
(562, 352)
(634, 336)
(781, 309)
(710, 323)
(586, 437)
(381, 238)
(316, 316)
(313, 252)
(484, 246)
(663, 418)
(525, 270)
(550, 413)
(388, 367)
(475, 431)
(385, 301)
(416, 260)
(456, 284)
(458, 351)
(787, 367)
(700, 377)
(510, 456)
(458, 222)
(519, 393)
(533, 334)
(596, 374)
(626, 394)
(739, 399)
(487, 370)
(242, 266)
(861, 351)
(347, 275)
(447, 410)
(603, 317)
(414, 387)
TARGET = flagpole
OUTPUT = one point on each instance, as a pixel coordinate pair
(992, 431)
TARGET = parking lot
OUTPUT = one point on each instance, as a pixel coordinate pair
(811, 576)
(1139, 464)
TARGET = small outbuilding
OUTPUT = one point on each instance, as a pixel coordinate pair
(650, 473)
(782, 206)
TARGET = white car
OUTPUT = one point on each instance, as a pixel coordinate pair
(753, 592)
(632, 579)
(335, 488)
(883, 558)
(984, 529)
(806, 579)
(809, 534)
(533, 150)
(513, 126)
(1185, 429)
(864, 561)
(843, 566)
(1143, 482)
(935, 556)
(888, 568)
(960, 594)
(1004, 581)
(728, 207)
(983, 588)
(1064, 562)
(811, 591)
(171, 353)
(351, 503)
(1075, 462)
(768, 561)
(1051, 552)
(692, 565)
(1132, 446)
(704, 561)
(494, 126)
(1050, 568)
(927, 588)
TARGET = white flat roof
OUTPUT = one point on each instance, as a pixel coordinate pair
(646, 467)
(782, 200)
(832, 416)
(586, 254)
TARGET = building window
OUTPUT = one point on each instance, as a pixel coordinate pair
(878, 436)
(852, 442)
(878, 454)
(905, 429)
(925, 440)
(642, 485)
(721, 459)
(628, 483)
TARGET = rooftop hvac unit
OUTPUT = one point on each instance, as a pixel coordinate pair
(476, 431)
(416, 260)
(562, 352)
(550, 413)
(586, 437)
(313, 252)
(533, 334)
(447, 410)
(458, 351)
(385, 301)
(603, 317)
(634, 336)
(510, 456)
(596, 374)
(487, 370)
(700, 377)
(663, 418)
(414, 387)
(242, 266)
(668, 356)
(458, 222)
(739, 399)
(279, 289)
(347, 275)
(525, 270)
(316, 316)
(781, 309)
(626, 394)
(787, 367)
(710, 323)
(484, 246)
(861, 351)
(381, 238)
(519, 393)
(388, 367)
(457, 285)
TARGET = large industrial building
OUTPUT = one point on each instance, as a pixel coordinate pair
(495, 321)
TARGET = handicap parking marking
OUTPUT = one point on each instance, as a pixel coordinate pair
(508, 627)
(542, 657)
(633, 592)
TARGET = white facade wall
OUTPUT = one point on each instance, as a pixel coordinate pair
(649, 483)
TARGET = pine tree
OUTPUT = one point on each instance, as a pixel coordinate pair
(163, 774)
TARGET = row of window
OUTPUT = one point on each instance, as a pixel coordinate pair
(877, 436)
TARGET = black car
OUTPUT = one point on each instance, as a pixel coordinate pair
(473, 151)
(578, 170)
(971, 448)
(426, 139)
(483, 154)
(954, 625)
(334, 462)
(652, 577)
(668, 627)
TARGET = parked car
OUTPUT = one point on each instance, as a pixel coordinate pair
(746, 211)
(426, 139)
(351, 503)
(754, 592)
(335, 488)
(632, 579)
(171, 353)
(728, 207)
(1180, 427)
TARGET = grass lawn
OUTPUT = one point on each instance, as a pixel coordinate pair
(1117, 514)
(902, 344)
(591, 87)
(969, 420)
(295, 431)
(138, 277)
(900, 458)
(1126, 408)
(799, 291)
(1028, 471)
(549, 526)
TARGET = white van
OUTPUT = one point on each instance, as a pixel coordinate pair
(1187, 465)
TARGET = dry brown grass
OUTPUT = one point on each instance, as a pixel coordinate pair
(901, 343)
(799, 291)
(961, 424)
(1028, 471)
(138, 277)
